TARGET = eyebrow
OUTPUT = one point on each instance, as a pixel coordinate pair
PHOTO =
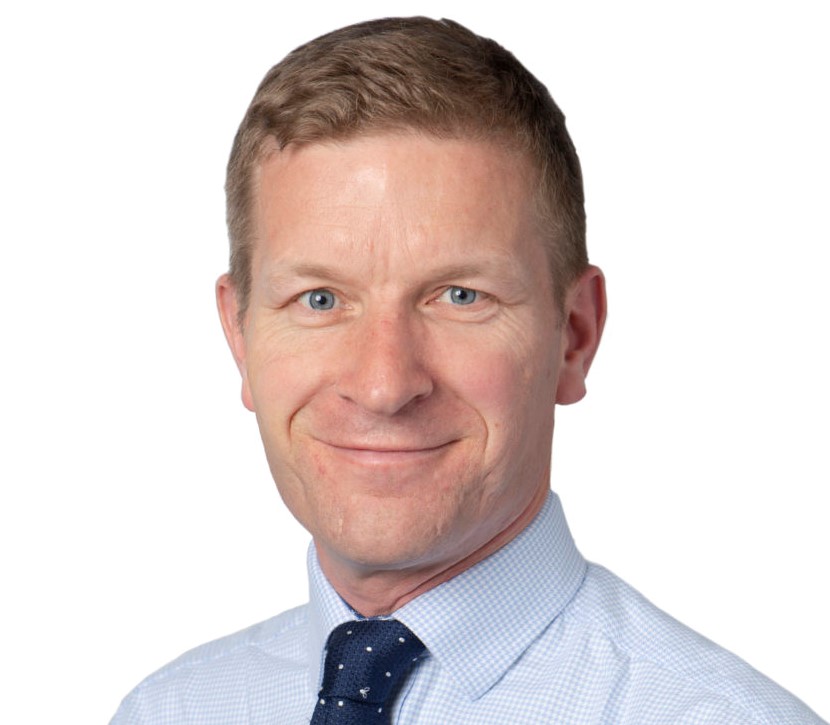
(282, 273)
(488, 265)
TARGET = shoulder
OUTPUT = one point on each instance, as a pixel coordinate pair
(223, 671)
(281, 637)
(662, 664)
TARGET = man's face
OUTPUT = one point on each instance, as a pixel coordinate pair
(401, 349)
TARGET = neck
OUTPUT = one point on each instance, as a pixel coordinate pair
(376, 593)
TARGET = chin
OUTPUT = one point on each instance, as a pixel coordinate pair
(385, 537)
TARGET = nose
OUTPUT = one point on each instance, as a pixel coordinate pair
(384, 370)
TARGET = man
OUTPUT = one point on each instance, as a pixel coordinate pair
(409, 296)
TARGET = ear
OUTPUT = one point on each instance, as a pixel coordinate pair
(228, 304)
(585, 308)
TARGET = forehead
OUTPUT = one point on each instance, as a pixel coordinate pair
(406, 185)
(401, 158)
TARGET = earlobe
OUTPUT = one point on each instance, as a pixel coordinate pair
(585, 310)
(228, 305)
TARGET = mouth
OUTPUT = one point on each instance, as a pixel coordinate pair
(383, 454)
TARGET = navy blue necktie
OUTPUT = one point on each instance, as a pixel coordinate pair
(365, 661)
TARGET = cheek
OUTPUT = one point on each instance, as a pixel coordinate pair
(510, 383)
(284, 372)
(494, 383)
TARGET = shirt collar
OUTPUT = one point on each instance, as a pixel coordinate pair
(480, 622)
(326, 611)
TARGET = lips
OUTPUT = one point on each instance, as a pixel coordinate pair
(386, 448)
(386, 453)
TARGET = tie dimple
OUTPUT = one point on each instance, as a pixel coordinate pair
(365, 661)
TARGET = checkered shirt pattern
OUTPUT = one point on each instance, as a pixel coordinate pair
(533, 634)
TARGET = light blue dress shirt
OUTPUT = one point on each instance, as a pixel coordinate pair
(533, 634)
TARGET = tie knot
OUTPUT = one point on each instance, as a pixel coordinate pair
(365, 660)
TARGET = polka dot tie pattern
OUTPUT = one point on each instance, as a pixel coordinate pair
(365, 662)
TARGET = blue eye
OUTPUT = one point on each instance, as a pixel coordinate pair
(319, 299)
(462, 295)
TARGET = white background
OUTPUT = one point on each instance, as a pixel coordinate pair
(138, 518)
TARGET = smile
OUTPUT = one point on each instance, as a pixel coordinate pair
(380, 455)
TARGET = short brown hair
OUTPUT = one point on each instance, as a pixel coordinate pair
(418, 74)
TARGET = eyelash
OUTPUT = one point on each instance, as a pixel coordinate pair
(307, 297)
(458, 294)
(456, 297)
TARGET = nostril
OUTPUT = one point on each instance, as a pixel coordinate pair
(385, 382)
